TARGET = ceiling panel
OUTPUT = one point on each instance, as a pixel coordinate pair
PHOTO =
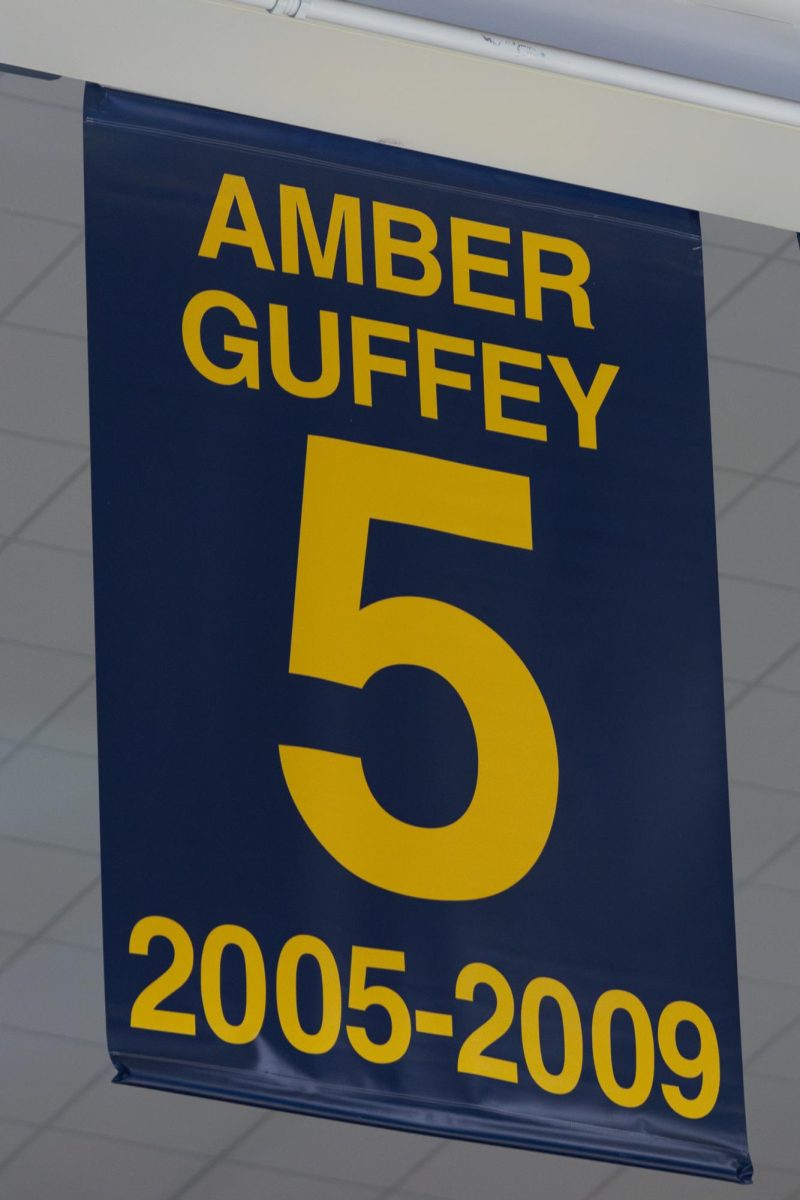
(33, 685)
(41, 176)
(755, 415)
(55, 989)
(45, 385)
(96, 1167)
(50, 304)
(185, 1123)
(461, 1171)
(377, 1157)
(46, 598)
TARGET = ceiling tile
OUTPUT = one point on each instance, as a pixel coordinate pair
(742, 235)
(763, 742)
(634, 1184)
(784, 872)
(768, 935)
(9, 944)
(30, 471)
(787, 675)
(759, 324)
(64, 91)
(12, 1135)
(75, 726)
(40, 149)
(55, 989)
(755, 415)
(34, 683)
(789, 469)
(81, 925)
(724, 270)
(45, 385)
(36, 882)
(67, 522)
(335, 1149)
(782, 1058)
(162, 1119)
(46, 598)
(772, 1109)
(29, 246)
(41, 1073)
(59, 302)
(728, 485)
(767, 1009)
(760, 537)
(257, 1183)
(468, 1171)
(50, 797)
(58, 1164)
(759, 624)
(762, 824)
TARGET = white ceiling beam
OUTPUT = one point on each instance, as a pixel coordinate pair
(369, 85)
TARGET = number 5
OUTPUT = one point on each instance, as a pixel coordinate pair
(505, 827)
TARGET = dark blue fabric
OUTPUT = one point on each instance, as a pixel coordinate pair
(197, 491)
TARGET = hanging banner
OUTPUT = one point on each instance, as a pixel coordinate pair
(412, 750)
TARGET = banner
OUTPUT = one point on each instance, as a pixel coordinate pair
(412, 751)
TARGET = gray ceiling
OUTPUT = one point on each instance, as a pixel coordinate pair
(63, 1130)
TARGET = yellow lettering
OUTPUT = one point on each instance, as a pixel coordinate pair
(233, 189)
(496, 389)
(345, 219)
(247, 348)
(586, 404)
(328, 379)
(365, 362)
(388, 247)
(465, 261)
(538, 281)
(432, 376)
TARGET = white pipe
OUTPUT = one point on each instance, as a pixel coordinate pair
(544, 58)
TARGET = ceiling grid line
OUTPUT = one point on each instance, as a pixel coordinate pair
(59, 333)
(42, 275)
(768, 862)
(754, 483)
(53, 920)
(37, 103)
(21, 541)
(23, 841)
(766, 261)
(767, 584)
(42, 725)
(40, 508)
(755, 683)
(10, 1027)
(216, 1159)
(44, 647)
(7, 211)
(770, 368)
(771, 687)
(408, 1175)
(35, 437)
(49, 1124)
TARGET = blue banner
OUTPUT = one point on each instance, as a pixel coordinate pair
(412, 746)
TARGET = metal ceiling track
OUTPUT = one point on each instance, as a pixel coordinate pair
(434, 88)
(353, 15)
